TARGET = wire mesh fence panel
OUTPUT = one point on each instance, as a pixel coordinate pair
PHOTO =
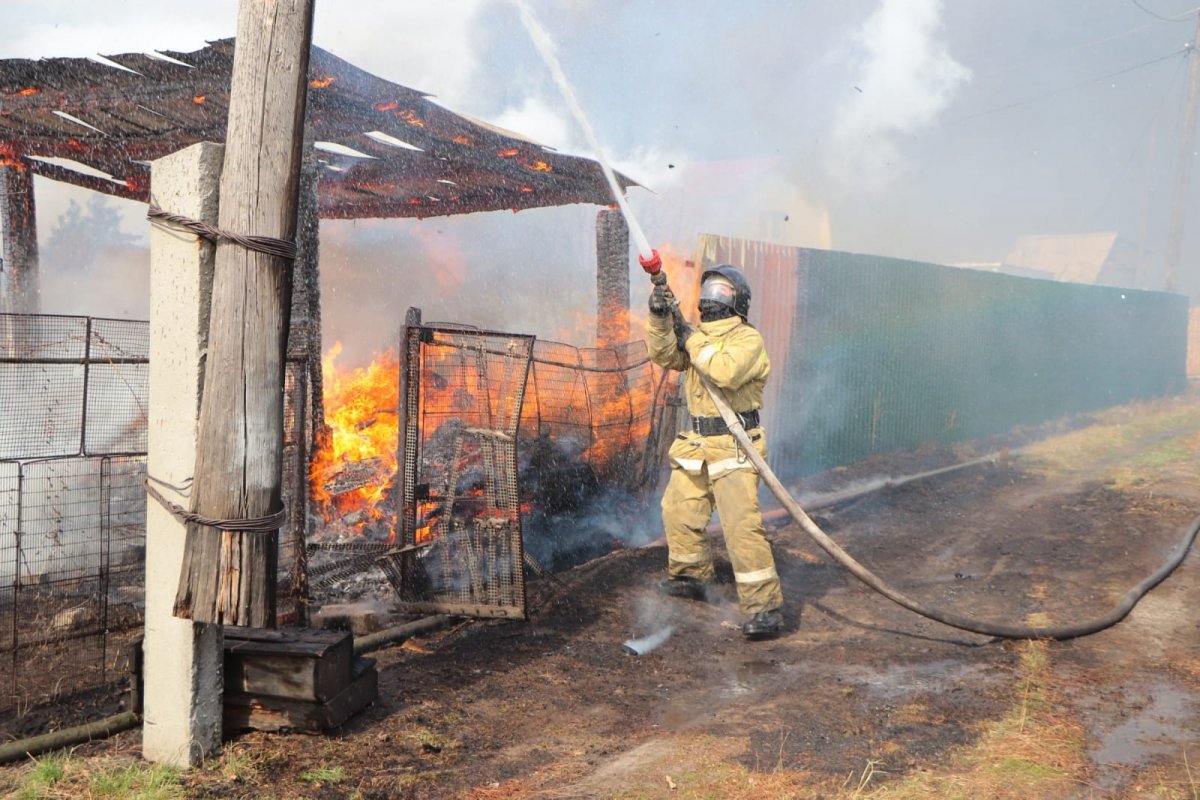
(43, 409)
(116, 413)
(602, 405)
(123, 519)
(73, 513)
(118, 339)
(43, 337)
(559, 405)
(60, 539)
(462, 549)
(72, 597)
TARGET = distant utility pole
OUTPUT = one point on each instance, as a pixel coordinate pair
(1183, 170)
(228, 576)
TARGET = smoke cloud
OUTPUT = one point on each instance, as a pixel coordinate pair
(905, 78)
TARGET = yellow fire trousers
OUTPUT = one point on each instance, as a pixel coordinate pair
(708, 471)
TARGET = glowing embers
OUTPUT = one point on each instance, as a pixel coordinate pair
(321, 83)
(409, 115)
(199, 99)
(529, 162)
(8, 158)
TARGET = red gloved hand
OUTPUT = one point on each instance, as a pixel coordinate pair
(653, 264)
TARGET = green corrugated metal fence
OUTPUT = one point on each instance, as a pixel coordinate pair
(881, 354)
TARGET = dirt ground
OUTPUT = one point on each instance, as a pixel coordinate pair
(858, 697)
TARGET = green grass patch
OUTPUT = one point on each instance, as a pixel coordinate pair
(137, 782)
(1026, 770)
(46, 772)
(323, 774)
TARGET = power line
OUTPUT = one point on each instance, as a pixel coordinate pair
(1156, 15)
(1134, 149)
(1071, 49)
(1043, 96)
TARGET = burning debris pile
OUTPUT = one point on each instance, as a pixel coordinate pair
(520, 452)
(354, 466)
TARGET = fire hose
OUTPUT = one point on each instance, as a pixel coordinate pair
(653, 265)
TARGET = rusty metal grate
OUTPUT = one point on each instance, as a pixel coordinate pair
(460, 525)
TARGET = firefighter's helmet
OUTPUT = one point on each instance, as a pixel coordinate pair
(726, 284)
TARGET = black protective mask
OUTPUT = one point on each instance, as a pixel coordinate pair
(711, 311)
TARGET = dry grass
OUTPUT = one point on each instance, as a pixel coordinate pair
(63, 777)
(1158, 436)
(1032, 752)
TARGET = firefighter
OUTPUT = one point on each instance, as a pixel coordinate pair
(707, 465)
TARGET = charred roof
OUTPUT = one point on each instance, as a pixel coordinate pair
(384, 150)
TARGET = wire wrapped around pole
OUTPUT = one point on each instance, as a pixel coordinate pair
(260, 244)
(267, 524)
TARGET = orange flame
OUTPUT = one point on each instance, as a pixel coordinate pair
(321, 83)
(362, 421)
(29, 91)
(199, 99)
(463, 140)
(410, 116)
(8, 158)
(539, 166)
(392, 106)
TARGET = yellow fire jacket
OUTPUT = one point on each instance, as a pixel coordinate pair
(729, 352)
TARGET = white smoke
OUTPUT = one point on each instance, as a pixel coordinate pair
(537, 119)
(906, 78)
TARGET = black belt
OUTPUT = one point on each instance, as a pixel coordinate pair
(715, 426)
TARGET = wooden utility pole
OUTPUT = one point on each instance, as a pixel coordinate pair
(1183, 170)
(20, 253)
(228, 577)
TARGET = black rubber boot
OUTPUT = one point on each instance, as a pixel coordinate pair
(763, 625)
(686, 588)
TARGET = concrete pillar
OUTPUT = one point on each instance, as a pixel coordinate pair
(612, 278)
(183, 680)
(18, 218)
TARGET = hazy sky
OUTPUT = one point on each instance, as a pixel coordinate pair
(938, 131)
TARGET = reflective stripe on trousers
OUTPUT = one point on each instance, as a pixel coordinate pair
(687, 505)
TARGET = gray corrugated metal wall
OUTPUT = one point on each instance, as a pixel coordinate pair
(874, 354)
